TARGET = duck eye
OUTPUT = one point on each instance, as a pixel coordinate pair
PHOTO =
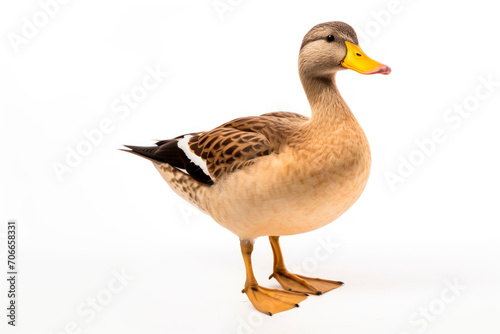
(330, 38)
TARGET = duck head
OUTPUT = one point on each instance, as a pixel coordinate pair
(333, 46)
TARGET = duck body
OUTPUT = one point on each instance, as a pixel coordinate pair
(315, 174)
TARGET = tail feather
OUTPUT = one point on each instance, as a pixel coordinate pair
(138, 154)
(143, 151)
(169, 152)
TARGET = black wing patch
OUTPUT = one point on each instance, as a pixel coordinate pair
(169, 152)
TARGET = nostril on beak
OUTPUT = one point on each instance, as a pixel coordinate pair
(358, 54)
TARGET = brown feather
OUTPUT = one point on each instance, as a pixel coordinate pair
(234, 144)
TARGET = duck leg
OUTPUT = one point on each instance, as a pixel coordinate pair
(294, 282)
(268, 301)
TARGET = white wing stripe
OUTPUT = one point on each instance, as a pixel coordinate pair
(183, 144)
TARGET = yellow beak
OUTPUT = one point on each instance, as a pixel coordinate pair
(357, 60)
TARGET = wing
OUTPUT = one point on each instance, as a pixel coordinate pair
(208, 156)
(226, 149)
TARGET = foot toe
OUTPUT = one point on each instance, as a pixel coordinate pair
(271, 301)
(299, 283)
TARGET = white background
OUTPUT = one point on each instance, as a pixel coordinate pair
(396, 248)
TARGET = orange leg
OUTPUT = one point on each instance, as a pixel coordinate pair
(294, 282)
(268, 301)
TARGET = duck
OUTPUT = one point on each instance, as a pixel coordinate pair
(280, 173)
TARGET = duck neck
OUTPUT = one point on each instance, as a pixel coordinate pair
(327, 105)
